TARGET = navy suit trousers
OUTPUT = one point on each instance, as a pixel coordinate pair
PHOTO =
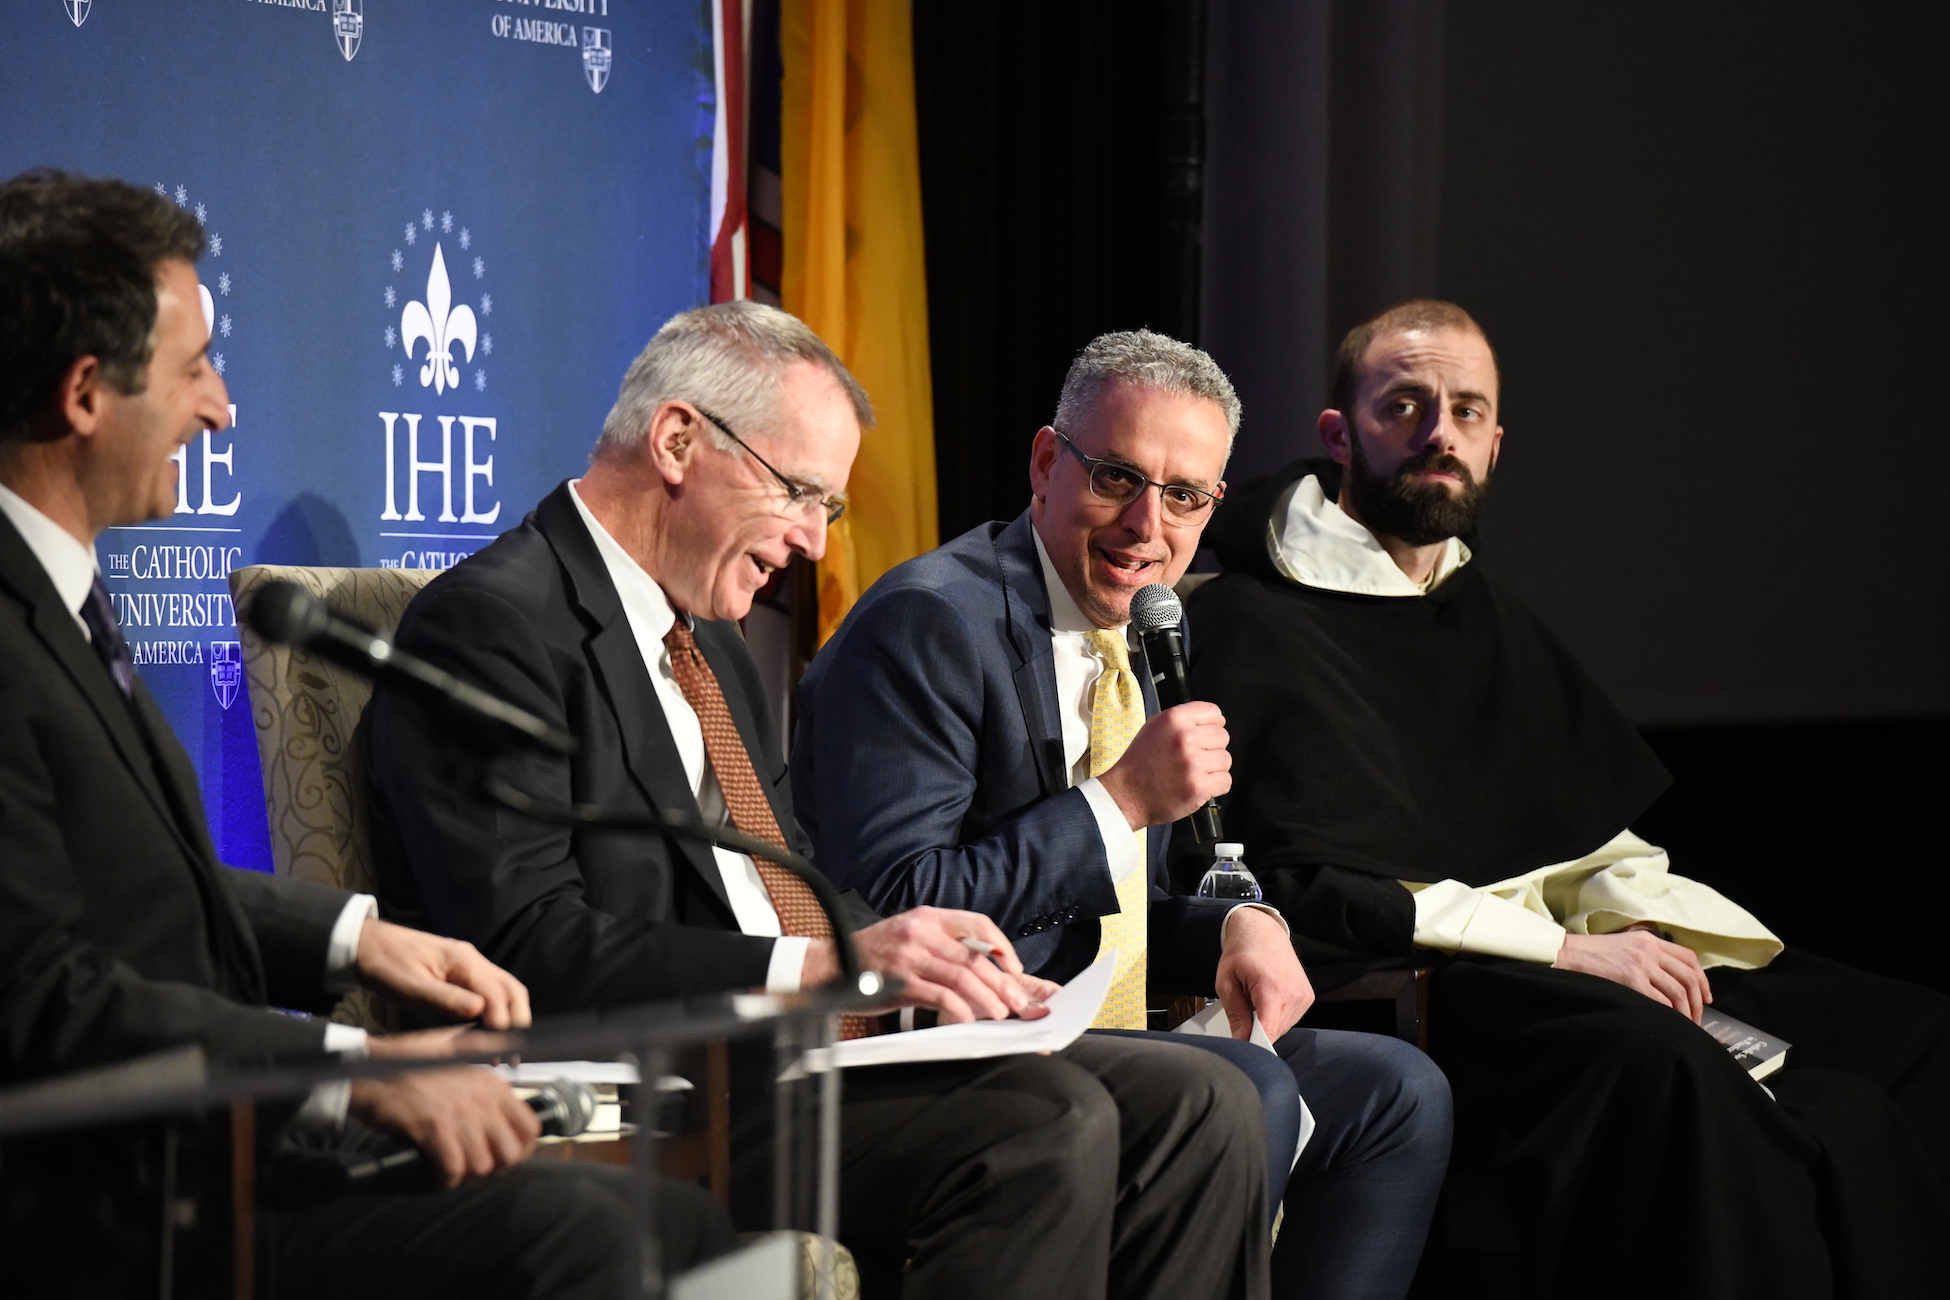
(1359, 1200)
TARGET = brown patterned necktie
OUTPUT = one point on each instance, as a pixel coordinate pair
(744, 797)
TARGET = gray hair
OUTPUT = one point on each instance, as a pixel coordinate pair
(727, 358)
(1154, 360)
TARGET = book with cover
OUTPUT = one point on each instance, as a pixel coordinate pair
(1757, 1053)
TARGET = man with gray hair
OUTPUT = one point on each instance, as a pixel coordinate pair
(1105, 1169)
(975, 736)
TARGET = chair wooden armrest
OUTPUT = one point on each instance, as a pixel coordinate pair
(1405, 986)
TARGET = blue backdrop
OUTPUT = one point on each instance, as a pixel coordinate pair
(438, 231)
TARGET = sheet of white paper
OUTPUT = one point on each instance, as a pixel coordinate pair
(533, 1074)
(1071, 1009)
(1212, 1021)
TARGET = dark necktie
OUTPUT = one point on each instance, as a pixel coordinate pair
(744, 796)
(105, 633)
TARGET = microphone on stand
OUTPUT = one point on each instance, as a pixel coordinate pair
(286, 613)
(565, 1107)
(1157, 614)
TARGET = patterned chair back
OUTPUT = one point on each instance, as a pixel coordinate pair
(306, 709)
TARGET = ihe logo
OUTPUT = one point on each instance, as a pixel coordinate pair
(77, 10)
(443, 339)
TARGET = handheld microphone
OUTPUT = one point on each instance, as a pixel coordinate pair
(565, 1107)
(1157, 613)
(286, 613)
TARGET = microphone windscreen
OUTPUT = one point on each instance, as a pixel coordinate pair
(1155, 608)
(566, 1107)
(285, 613)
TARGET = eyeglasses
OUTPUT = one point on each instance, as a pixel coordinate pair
(1115, 483)
(802, 497)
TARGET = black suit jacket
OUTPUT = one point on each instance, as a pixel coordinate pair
(120, 932)
(584, 918)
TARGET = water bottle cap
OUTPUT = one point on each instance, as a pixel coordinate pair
(1227, 849)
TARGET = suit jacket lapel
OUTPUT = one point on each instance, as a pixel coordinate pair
(68, 647)
(1026, 603)
(173, 795)
(649, 750)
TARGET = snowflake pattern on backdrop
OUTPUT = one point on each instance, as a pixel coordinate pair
(395, 297)
(222, 325)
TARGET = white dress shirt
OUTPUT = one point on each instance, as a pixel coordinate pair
(1077, 669)
(71, 568)
(651, 618)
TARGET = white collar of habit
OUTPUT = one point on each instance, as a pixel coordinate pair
(1317, 544)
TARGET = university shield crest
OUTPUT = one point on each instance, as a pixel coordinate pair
(226, 670)
(348, 25)
(595, 57)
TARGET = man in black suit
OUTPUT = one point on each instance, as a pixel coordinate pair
(120, 932)
(1113, 1167)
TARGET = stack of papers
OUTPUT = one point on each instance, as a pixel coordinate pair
(1071, 1009)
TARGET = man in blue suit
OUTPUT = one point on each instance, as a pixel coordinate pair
(958, 745)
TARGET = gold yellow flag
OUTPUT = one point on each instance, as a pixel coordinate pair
(855, 270)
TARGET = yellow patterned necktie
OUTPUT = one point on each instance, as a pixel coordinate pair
(1116, 714)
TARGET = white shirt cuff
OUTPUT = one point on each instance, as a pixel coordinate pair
(1453, 918)
(324, 1109)
(1225, 930)
(1120, 841)
(788, 964)
(342, 952)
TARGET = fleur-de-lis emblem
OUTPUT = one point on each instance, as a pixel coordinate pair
(442, 323)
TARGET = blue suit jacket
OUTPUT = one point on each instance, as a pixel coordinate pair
(927, 765)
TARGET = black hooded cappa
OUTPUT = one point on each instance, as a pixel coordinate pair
(1377, 739)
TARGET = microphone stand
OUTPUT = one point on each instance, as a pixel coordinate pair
(285, 613)
(692, 827)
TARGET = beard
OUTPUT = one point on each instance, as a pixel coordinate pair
(1419, 513)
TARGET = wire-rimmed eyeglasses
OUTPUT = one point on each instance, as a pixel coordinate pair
(801, 496)
(1115, 483)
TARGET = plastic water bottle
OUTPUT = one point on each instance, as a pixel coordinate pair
(1228, 877)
